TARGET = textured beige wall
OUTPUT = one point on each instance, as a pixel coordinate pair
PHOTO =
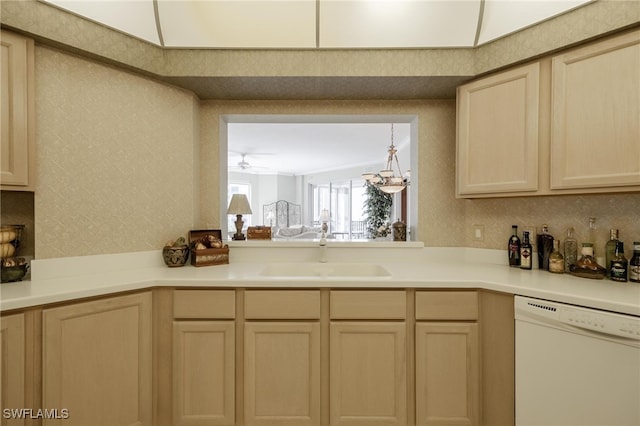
(115, 156)
(441, 216)
(117, 166)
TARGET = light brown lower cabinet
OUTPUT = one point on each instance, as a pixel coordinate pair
(447, 374)
(12, 367)
(368, 374)
(97, 361)
(282, 373)
(447, 363)
(203, 373)
(247, 357)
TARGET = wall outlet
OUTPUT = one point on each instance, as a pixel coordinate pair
(532, 233)
(478, 232)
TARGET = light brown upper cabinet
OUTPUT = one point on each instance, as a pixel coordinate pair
(17, 169)
(497, 137)
(567, 124)
(595, 133)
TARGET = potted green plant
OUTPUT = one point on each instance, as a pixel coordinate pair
(377, 209)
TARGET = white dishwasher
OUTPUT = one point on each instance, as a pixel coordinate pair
(575, 366)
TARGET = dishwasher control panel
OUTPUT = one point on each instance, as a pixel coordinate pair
(625, 328)
(604, 322)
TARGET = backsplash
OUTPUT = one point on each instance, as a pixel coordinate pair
(618, 211)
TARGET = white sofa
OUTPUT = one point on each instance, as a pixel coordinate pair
(298, 232)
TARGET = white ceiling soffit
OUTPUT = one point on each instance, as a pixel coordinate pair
(398, 23)
(238, 23)
(136, 18)
(308, 24)
(501, 17)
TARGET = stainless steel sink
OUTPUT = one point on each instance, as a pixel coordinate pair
(310, 269)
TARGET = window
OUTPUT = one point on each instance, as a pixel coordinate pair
(316, 161)
(344, 201)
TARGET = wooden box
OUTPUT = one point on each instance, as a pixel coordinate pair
(259, 233)
(209, 255)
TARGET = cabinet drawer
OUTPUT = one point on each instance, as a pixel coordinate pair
(282, 304)
(446, 305)
(204, 304)
(368, 304)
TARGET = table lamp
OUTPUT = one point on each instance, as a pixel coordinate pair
(239, 205)
(324, 218)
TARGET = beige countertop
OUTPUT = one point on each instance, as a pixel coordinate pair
(67, 279)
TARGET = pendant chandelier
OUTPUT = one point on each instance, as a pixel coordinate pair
(386, 180)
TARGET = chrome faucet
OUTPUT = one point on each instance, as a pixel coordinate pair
(323, 244)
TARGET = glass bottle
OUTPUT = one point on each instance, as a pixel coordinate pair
(619, 264)
(591, 236)
(556, 260)
(514, 248)
(586, 266)
(610, 248)
(634, 263)
(525, 252)
(545, 247)
(570, 249)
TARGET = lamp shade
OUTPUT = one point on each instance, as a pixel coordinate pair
(239, 205)
(324, 215)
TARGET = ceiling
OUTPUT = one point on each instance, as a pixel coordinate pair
(312, 24)
(302, 148)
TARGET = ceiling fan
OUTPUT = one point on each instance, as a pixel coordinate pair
(244, 165)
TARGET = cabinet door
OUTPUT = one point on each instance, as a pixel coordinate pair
(282, 373)
(447, 374)
(595, 137)
(12, 369)
(16, 130)
(497, 137)
(97, 361)
(368, 379)
(203, 373)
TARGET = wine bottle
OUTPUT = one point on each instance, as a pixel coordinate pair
(610, 248)
(634, 263)
(619, 264)
(545, 247)
(556, 260)
(514, 248)
(525, 252)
